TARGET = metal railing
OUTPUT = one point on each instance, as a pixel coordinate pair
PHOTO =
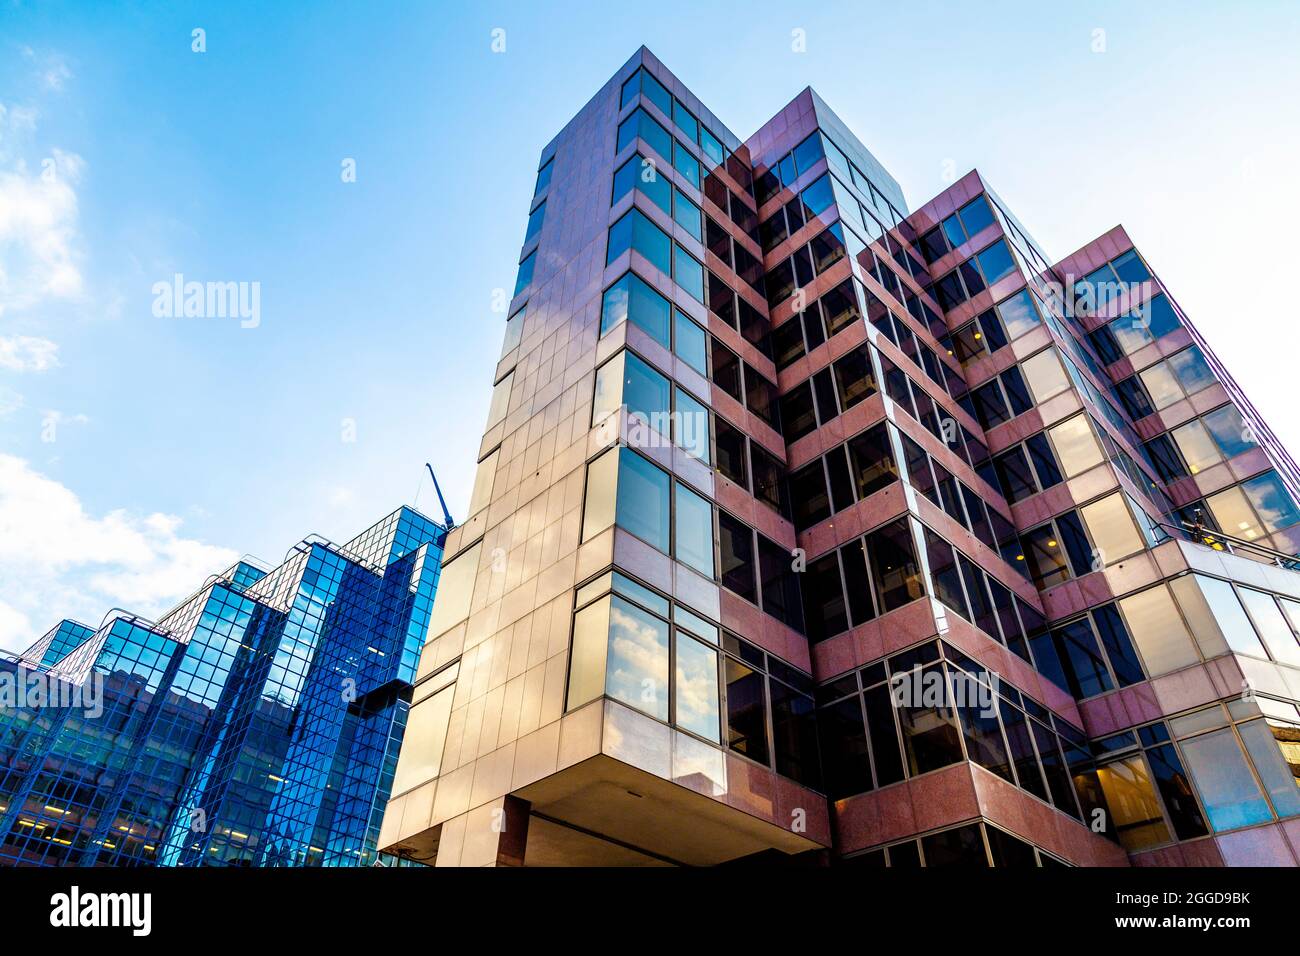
(1199, 533)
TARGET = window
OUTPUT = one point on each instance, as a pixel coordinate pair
(1076, 446)
(746, 711)
(1271, 626)
(855, 377)
(1158, 631)
(696, 693)
(621, 651)
(1014, 475)
(687, 215)
(1254, 508)
(1230, 431)
(626, 380)
(769, 479)
(694, 523)
(535, 220)
(1215, 616)
(686, 122)
(1018, 314)
(1133, 396)
(1181, 375)
(1233, 513)
(642, 507)
(1110, 524)
(1044, 375)
(1271, 501)
(780, 584)
(1262, 739)
(690, 343)
(525, 272)
(514, 331)
(827, 248)
(942, 563)
(823, 596)
(544, 176)
(688, 273)
(894, 569)
(1043, 460)
(794, 733)
(839, 308)
(726, 370)
(642, 174)
(451, 604)
(713, 150)
(817, 197)
(871, 461)
(878, 702)
(978, 338)
(636, 232)
(1045, 557)
(424, 739)
(990, 405)
(600, 507)
(1138, 821)
(500, 400)
(930, 736)
(632, 298)
(1144, 324)
(810, 499)
(655, 136)
(761, 398)
(983, 734)
(736, 546)
(484, 478)
(686, 164)
(608, 396)
(1082, 670)
(845, 753)
(1198, 450)
(624, 488)
(729, 446)
(691, 425)
(642, 82)
(1228, 790)
(975, 216)
(996, 261)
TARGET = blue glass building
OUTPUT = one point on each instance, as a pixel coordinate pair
(256, 724)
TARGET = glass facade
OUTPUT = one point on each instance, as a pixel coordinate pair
(256, 724)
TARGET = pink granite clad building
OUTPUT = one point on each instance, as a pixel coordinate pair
(811, 528)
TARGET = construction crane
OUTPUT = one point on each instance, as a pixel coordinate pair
(451, 522)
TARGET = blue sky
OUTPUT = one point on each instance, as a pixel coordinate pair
(126, 157)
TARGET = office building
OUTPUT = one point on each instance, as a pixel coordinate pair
(813, 527)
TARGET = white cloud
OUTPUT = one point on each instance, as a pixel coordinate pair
(51, 68)
(16, 123)
(16, 630)
(10, 401)
(55, 417)
(38, 231)
(28, 353)
(57, 561)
